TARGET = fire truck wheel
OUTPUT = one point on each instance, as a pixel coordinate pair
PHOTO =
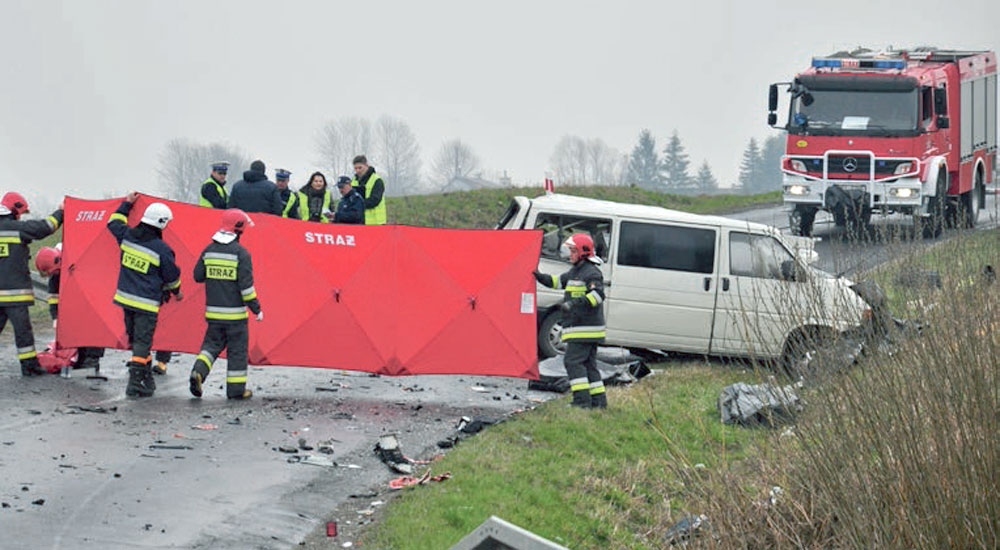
(937, 210)
(971, 203)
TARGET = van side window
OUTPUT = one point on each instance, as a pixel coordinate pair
(557, 228)
(667, 247)
(758, 256)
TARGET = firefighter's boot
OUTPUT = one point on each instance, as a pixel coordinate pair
(160, 368)
(194, 383)
(246, 394)
(581, 399)
(30, 367)
(139, 378)
(598, 397)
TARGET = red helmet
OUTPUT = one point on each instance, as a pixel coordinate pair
(581, 242)
(15, 203)
(235, 220)
(48, 259)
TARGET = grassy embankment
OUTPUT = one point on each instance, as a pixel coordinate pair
(901, 452)
(481, 209)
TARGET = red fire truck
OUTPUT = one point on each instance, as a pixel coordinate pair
(906, 131)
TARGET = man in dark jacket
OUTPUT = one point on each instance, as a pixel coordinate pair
(147, 278)
(225, 268)
(255, 193)
(582, 320)
(372, 189)
(351, 207)
(16, 292)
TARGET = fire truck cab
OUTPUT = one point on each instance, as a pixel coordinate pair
(902, 131)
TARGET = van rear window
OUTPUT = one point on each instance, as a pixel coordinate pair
(667, 247)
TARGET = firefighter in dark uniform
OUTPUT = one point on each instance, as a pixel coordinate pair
(351, 206)
(48, 260)
(293, 201)
(147, 278)
(226, 270)
(582, 320)
(213, 190)
(16, 292)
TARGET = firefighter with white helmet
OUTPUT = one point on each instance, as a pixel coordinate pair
(226, 269)
(16, 293)
(147, 278)
(582, 319)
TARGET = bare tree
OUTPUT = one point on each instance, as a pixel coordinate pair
(454, 159)
(397, 155)
(338, 141)
(185, 164)
(579, 161)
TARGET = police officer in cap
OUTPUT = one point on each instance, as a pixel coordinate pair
(213, 190)
(292, 200)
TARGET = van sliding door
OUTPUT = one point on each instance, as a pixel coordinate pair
(664, 289)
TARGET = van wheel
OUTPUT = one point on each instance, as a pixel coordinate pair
(549, 336)
(802, 350)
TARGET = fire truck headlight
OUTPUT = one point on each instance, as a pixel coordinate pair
(904, 168)
(798, 165)
(904, 192)
(796, 189)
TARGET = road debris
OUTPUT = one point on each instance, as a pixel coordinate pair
(92, 409)
(331, 528)
(204, 427)
(326, 388)
(409, 481)
(474, 425)
(304, 445)
(388, 451)
(312, 460)
(616, 367)
(39, 502)
(161, 447)
(479, 389)
(746, 404)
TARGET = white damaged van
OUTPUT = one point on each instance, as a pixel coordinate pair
(690, 283)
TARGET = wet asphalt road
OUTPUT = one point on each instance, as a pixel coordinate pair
(104, 486)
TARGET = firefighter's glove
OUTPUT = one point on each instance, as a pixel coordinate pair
(539, 276)
(260, 316)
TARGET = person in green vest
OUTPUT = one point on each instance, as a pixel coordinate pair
(317, 198)
(372, 188)
(294, 202)
(213, 190)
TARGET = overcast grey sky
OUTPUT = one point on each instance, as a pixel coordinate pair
(92, 90)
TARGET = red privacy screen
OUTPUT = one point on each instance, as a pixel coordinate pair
(389, 299)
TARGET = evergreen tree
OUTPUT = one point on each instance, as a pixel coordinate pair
(751, 168)
(771, 153)
(674, 168)
(644, 164)
(705, 181)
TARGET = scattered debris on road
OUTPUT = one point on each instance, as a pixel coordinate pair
(204, 427)
(388, 451)
(92, 409)
(157, 446)
(409, 481)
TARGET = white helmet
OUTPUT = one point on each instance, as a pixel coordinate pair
(157, 215)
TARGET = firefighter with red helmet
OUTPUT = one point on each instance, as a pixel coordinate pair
(582, 319)
(48, 261)
(225, 268)
(147, 278)
(16, 292)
